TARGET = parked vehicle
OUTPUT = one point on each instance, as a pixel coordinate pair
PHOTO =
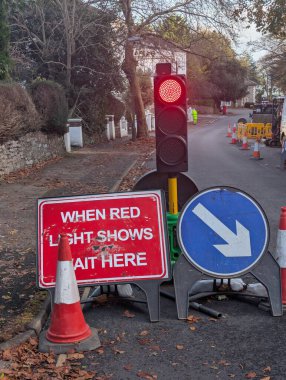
(278, 106)
(267, 115)
(282, 122)
(248, 105)
(262, 113)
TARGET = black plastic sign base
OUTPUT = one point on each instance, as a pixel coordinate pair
(267, 272)
(158, 180)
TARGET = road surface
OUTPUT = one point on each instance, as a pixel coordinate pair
(246, 342)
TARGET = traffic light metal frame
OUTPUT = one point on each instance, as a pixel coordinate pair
(171, 122)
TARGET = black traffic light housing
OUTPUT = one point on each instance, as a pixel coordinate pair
(170, 102)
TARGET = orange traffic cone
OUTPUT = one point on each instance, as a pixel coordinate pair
(244, 142)
(68, 330)
(228, 130)
(256, 151)
(281, 251)
(233, 137)
(67, 320)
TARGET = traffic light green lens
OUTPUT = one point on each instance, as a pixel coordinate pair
(170, 91)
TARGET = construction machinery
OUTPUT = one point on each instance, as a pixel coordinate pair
(265, 122)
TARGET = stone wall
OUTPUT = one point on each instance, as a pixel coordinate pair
(29, 150)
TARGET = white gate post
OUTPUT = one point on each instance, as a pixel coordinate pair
(149, 121)
(153, 122)
(110, 127)
(123, 127)
(67, 140)
(107, 128)
(75, 132)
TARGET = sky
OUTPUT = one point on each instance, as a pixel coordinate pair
(248, 36)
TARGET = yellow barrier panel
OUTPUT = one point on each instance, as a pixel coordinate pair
(268, 130)
(240, 130)
(254, 130)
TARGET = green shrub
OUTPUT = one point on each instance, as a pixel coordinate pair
(93, 110)
(18, 112)
(115, 107)
(51, 104)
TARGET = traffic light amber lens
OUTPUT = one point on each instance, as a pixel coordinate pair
(170, 91)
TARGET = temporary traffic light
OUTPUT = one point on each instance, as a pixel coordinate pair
(170, 101)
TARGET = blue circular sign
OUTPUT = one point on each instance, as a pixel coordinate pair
(223, 231)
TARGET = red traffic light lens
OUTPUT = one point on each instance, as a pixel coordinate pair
(170, 91)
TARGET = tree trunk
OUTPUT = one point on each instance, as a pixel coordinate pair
(129, 67)
(69, 64)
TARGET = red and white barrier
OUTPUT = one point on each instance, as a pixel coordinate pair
(233, 137)
(256, 151)
(228, 130)
(281, 251)
(67, 320)
(244, 142)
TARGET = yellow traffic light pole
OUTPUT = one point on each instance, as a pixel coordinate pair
(173, 195)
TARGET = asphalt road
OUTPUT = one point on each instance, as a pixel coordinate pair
(213, 161)
(246, 342)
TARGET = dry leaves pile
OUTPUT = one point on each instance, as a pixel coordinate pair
(254, 375)
(144, 147)
(28, 171)
(25, 362)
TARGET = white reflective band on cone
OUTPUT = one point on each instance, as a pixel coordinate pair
(281, 248)
(66, 287)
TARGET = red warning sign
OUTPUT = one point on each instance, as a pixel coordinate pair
(117, 237)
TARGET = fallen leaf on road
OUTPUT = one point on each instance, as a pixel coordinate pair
(61, 360)
(266, 378)
(267, 369)
(6, 355)
(193, 328)
(6, 297)
(117, 351)
(127, 314)
(193, 319)
(223, 362)
(75, 355)
(179, 347)
(251, 375)
(144, 333)
(13, 232)
(155, 348)
(144, 341)
(128, 367)
(147, 376)
(33, 341)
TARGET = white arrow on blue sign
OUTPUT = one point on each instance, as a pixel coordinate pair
(223, 231)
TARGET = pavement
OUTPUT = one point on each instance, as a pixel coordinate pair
(89, 170)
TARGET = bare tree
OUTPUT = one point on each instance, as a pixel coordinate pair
(68, 41)
(137, 21)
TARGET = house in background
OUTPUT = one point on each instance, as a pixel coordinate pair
(250, 97)
(153, 51)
